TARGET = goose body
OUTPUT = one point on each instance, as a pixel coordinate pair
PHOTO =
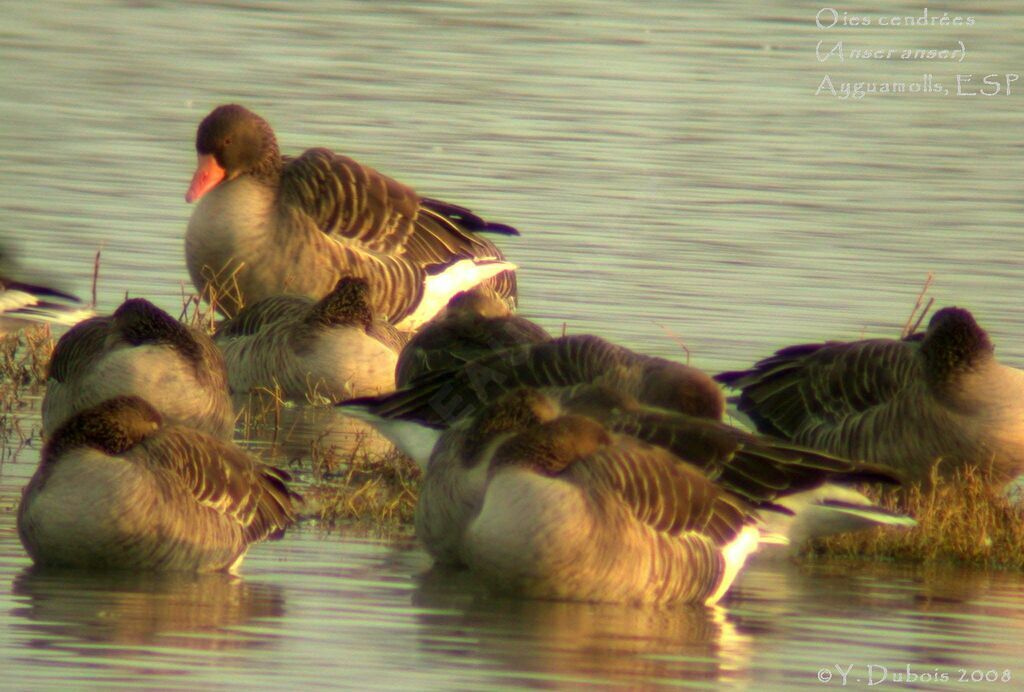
(545, 505)
(118, 489)
(266, 225)
(941, 398)
(441, 398)
(333, 348)
(474, 324)
(140, 350)
(626, 523)
(801, 492)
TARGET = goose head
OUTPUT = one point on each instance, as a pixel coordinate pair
(232, 141)
(112, 427)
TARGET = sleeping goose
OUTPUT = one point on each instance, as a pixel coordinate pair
(542, 501)
(266, 224)
(811, 492)
(333, 348)
(140, 350)
(116, 488)
(440, 398)
(473, 324)
(905, 404)
(23, 304)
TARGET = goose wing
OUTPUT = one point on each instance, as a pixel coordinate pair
(361, 206)
(442, 397)
(253, 318)
(760, 469)
(662, 492)
(452, 342)
(815, 385)
(224, 478)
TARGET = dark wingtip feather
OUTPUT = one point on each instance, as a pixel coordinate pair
(731, 377)
(367, 402)
(870, 474)
(465, 218)
(499, 228)
(38, 290)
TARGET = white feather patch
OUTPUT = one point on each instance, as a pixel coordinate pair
(440, 288)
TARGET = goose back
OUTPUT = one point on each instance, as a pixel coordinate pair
(139, 350)
(117, 489)
(333, 348)
(937, 398)
(474, 324)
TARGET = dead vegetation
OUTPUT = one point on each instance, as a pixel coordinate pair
(24, 356)
(965, 519)
(363, 487)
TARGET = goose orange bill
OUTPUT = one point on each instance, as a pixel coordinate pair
(208, 174)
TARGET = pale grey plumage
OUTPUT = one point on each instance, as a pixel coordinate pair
(140, 350)
(908, 404)
(767, 473)
(548, 505)
(334, 348)
(118, 489)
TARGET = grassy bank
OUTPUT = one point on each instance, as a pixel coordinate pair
(964, 520)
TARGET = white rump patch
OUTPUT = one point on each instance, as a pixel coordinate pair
(735, 555)
(412, 439)
(438, 289)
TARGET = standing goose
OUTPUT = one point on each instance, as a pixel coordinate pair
(118, 489)
(333, 348)
(803, 493)
(906, 404)
(568, 508)
(140, 350)
(23, 304)
(473, 324)
(267, 224)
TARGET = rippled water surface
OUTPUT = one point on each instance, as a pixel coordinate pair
(676, 180)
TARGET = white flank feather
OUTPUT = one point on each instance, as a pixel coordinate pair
(438, 289)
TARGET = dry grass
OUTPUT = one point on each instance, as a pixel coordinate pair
(200, 309)
(362, 487)
(261, 410)
(24, 356)
(965, 519)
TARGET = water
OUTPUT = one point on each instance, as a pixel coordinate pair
(677, 182)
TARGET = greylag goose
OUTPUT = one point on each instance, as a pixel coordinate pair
(473, 324)
(118, 489)
(438, 399)
(334, 348)
(542, 501)
(266, 224)
(810, 490)
(140, 350)
(907, 404)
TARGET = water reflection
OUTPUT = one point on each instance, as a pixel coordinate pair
(72, 610)
(304, 432)
(827, 613)
(577, 642)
